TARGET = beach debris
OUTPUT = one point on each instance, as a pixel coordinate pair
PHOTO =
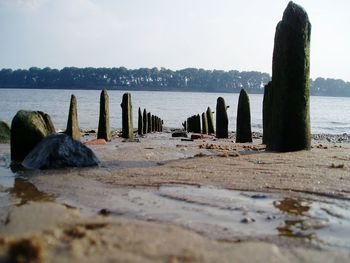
(140, 123)
(104, 212)
(243, 125)
(28, 128)
(127, 128)
(337, 166)
(72, 123)
(5, 132)
(95, 142)
(266, 112)
(289, 126)
(144, 122)
(221, 119)
(59, 151)
(179, 134)
(104, 131)
(26, 250)
(186, 140)
(149, 120)
(204, 123)
(210, 120)
(248, 220)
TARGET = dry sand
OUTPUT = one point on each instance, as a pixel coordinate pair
(155, 179)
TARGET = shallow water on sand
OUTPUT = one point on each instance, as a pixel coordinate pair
(218, 213)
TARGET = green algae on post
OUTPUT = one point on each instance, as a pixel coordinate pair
(289, 126)
(204, 123)
(140, 123)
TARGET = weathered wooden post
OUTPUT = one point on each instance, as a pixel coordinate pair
(210, 120)
(140, 123)
(145, 122)
(243, 125)
(127, 129)
(221, 119)
(204, 123)
(289, 126)
(266, 112)
(149, 120)
(103, 131)
(72, 123)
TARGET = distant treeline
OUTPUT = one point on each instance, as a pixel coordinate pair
(189, 79)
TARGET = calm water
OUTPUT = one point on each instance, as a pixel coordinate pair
(328, 114)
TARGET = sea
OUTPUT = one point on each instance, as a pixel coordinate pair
(330, 115)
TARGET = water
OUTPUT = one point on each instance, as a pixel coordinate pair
(328, 114)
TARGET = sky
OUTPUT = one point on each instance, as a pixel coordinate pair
(175, 34)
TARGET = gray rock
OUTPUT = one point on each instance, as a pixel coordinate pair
(28, 128)
(59, 151)
(5, 132)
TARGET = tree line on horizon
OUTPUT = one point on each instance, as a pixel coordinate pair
(189, 79)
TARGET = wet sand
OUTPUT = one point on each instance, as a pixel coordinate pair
(166, 200)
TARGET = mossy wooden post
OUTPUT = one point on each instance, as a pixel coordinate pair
(221, 119)
(266, 112)
(72, 123)
(197, 119)
(289, 127)
(153, 123)
(145, 122)
(140, 123)
(243, 125)
(210, 120)
(149, 120)
(204, 123)
(127, 129)
(161, 125)
(156, 123)
(104, 131)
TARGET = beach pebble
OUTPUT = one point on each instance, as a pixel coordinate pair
(247, 220)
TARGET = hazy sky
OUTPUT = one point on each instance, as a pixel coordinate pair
(210, 34)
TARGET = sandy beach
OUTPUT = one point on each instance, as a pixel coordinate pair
(162, 199)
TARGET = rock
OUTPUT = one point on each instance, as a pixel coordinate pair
(72, 123)
(243, 125)
(289, 126)
(104, 131)
(210, 120)
(145, 122)
(5, 132)
(179, 134)
(127, 129)
(96, 142)
(59, 151)
(28, 128)
(221, 119)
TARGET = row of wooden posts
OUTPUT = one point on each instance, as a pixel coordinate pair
(146, 122)
(205, 124)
